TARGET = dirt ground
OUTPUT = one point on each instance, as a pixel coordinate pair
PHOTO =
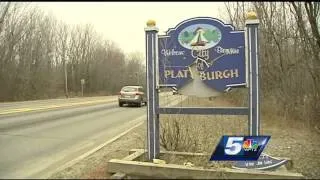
(291, 140)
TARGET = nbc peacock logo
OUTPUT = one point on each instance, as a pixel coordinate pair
(250, 145)
(199, 35)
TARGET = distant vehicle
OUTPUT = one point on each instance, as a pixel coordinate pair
(132, 95)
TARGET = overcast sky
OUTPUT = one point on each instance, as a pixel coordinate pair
(124, 22)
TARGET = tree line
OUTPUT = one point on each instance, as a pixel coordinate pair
(41, 57)
(289, 55)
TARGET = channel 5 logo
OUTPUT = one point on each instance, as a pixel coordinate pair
(239, 148)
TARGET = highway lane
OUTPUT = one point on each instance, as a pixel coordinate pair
(36, 143)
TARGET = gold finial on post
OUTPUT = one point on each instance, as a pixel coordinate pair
(251, 15)
(151, 23)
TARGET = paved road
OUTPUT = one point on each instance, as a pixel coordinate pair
(37, 137)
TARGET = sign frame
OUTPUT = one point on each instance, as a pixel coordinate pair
(153, 86)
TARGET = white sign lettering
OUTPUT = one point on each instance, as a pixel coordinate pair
(229, 51)
(171, 52)
(204, 54)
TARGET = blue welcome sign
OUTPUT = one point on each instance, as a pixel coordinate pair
(202, 56)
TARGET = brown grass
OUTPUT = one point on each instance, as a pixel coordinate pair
(198, 133)
(289, 137)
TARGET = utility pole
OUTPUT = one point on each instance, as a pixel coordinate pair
(82, 85)
(66, 77)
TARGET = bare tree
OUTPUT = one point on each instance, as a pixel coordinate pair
(43, 58)
(3, 11)
(62, 48)
(289, 54)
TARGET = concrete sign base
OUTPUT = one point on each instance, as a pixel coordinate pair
(135, 166)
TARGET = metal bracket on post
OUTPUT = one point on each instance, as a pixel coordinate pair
(252, 46)
(152, 90)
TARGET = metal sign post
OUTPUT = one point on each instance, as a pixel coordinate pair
(152, 90)
(265, 162)
(252, 54)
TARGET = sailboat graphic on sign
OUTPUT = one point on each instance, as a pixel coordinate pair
(199, 39)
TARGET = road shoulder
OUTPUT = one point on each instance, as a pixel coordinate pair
(94, 166)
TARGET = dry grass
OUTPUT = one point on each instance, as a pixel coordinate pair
(191, 133)
(198, 133)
